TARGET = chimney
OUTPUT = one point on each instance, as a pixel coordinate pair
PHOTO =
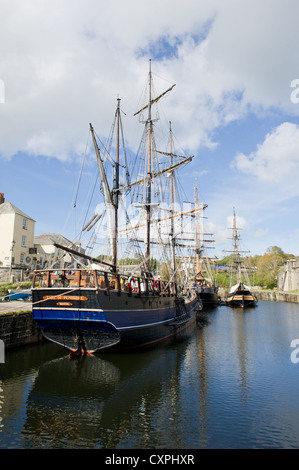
(2, 198)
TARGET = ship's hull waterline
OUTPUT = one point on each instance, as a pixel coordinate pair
(242, 301)
(95, 319)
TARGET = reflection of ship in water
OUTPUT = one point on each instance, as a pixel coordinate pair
(94, 402)
(203, 385)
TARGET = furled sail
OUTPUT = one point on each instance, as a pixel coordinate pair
(159, 173)
(154, 100)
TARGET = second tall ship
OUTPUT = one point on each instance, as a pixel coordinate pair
(240, 293)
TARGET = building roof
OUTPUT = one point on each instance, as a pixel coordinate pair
(50, 238)
(9, 208)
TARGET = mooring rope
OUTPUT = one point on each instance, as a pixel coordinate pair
(40, 301)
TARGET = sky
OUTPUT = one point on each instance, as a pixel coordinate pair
(235, 106)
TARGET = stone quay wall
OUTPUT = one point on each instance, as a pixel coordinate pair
(18, 329)
(277, 296)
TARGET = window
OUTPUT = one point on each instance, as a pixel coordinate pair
(25, 224)
(22, 257)
(23, 240)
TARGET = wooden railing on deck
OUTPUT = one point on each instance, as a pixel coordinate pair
(84, 278)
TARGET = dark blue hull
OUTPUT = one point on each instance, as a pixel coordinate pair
(95, 321)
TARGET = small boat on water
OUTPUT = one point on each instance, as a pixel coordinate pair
(25, 294)
(98, 307)
(239, 294)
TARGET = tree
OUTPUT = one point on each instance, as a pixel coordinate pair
(275, 250)
(223, 280)
(165, 274)
(267, 267)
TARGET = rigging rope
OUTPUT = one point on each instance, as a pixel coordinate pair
(73, 204)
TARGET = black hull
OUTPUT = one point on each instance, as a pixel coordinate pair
(241, 303)
(97, 322)
(241, 298)
(209, 300)
(208, 297)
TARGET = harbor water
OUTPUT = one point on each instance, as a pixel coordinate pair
(233, 384)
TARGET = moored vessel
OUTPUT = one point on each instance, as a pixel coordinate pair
(100, 308)
(91, 310)
(205, 285)
(239, 294)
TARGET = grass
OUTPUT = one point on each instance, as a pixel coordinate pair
(17, 285)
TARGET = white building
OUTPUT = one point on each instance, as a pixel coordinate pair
(16, 237)
(50, 256)
(21, 251)
(288, 276)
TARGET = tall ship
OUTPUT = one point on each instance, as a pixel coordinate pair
(205, 284)
(240, 293)
(97, 304)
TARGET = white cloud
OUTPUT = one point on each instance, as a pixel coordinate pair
(241, 222)
(261, 233)
(64, 63)
(276, 159)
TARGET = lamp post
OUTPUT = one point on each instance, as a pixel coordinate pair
(11, 258)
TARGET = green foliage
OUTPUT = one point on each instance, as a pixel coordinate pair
(223, 280)
(104, 257)
(129, 261)
(264, 268)
(17, 285)
(267, 267)
(274, 250)
(154, 264)
(226, 261)
(165, 273)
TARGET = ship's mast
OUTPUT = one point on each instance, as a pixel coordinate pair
(236, 251)
(172, 206)
(115, 193)
(235, 234)
(149, 174)
(197, 235)
(111, 197)
(236, 245)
